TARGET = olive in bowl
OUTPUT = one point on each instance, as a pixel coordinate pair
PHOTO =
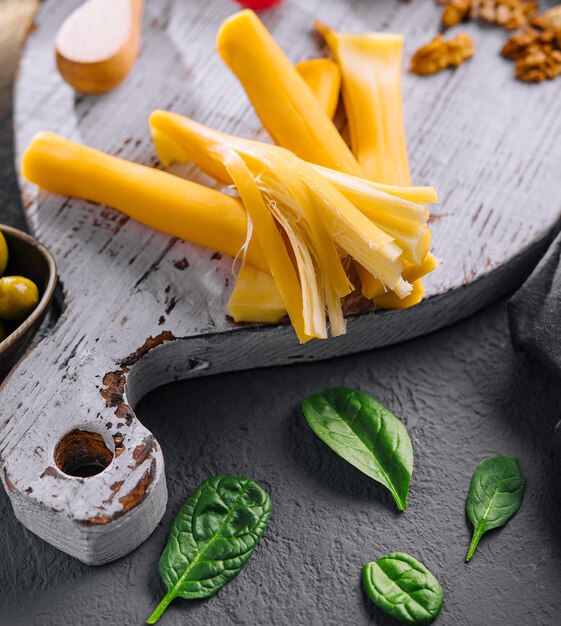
(27, 284)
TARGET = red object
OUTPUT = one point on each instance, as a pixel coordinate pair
(258, 5)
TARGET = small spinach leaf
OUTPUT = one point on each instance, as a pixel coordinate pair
(212, 538)
(403, 588)
(366, 435)
(495, 494)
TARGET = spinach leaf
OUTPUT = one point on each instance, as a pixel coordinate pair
(366, 435)
(403, 588)
(495, 494)
(212, 538)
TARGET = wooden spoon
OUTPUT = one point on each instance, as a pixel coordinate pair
(98, 43)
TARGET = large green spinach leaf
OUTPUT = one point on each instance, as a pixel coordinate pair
(495, 494)
(212, 538)
(365, 434)
(403, 588)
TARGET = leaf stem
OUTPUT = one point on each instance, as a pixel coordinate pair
(158, 611)
(474, 542)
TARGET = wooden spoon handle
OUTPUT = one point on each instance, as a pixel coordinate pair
(98, 43)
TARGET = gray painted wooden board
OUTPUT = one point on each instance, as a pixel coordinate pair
(142, 309)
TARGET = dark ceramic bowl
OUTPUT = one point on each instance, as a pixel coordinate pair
(27, 257)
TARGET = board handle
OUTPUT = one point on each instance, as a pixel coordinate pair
(80, 469)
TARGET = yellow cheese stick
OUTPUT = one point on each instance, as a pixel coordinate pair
(372, 287)
(160, 200)
(351, 230)
(283, 101)
(324, 78)
(180, 139)
(355, 187)
(295, 193)
(271, 241)
(371, 71)
(391, 301)
(255, 297)
(370, 66)
(416, 272)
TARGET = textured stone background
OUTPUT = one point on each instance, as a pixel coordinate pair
(463, 395)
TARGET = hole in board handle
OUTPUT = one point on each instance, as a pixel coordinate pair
(82, 454)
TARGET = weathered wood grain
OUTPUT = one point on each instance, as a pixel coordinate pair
(143, 309)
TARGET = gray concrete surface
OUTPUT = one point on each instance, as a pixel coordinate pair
(463, 394)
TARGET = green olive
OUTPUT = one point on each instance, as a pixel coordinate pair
(3, 254)
(3, 332)
(18, 297)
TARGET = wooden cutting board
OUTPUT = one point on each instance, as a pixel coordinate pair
(142, 309)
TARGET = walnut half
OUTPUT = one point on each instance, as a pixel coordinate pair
(455, 11)
(510, 14)
(550, 20)
(537, 54)
(439, 54)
